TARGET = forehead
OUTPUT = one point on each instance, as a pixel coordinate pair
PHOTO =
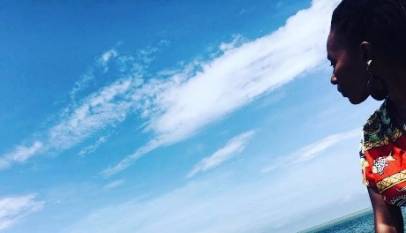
(333, 44)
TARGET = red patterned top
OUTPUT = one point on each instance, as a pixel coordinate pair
(383, 156)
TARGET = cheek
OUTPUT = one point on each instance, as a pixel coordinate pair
(343, 75)
(360, 76)
(357, 69)
(350, 73)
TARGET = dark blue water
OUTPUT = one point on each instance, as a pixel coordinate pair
(358, 224)
(362, 222)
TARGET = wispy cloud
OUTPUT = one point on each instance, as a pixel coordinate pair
(106, 107)
(92, 148)
(236, 42)
(107, 56)
(13, 209)
(20, 154)
(234, 146)
(223, 202)
(96, 112)
(89, 76)
(178, 108)
(313, 150)
(114, 184)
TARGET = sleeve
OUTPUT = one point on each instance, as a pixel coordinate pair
(364, 166)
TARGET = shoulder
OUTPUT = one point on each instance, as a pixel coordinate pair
(379, 130)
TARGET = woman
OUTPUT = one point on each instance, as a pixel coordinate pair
(367, 49)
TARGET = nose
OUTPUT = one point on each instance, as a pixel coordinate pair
(333, 79)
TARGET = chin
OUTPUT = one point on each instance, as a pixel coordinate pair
(357, 100)
(379, 95)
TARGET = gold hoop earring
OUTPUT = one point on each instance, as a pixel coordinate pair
(369, 62)
(376, 86)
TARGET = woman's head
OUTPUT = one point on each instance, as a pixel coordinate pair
(366, 32)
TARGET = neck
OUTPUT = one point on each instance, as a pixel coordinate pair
(397, 98)
(398, 110)
(394, 79)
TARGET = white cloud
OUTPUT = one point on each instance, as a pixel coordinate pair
(313, 150)
(89, 75)
(178, 108)
(20, 154)
(104, 108)
(81, 84)
(227, 203)
(200, 93)
(13, 209)
(92, 148)
(237, 40)
(234, 146)
(114, 184)
(107, 56)
(97, 111)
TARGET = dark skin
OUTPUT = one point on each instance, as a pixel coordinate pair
(387, 218)
(351, 77)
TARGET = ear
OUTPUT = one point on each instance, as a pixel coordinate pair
(366, 51)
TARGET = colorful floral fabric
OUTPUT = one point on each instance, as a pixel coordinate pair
(383, 156)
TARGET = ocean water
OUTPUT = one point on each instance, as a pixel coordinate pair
(359, 222)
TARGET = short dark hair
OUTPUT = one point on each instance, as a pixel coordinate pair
(380, 22)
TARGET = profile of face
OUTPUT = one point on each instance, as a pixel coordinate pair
(349, 69)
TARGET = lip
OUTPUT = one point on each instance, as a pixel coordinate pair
(340, 90)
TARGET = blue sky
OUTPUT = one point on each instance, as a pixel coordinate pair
(139, 116)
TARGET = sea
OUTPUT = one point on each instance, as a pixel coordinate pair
(359, 222)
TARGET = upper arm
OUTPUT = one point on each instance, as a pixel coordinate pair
(388, 218)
